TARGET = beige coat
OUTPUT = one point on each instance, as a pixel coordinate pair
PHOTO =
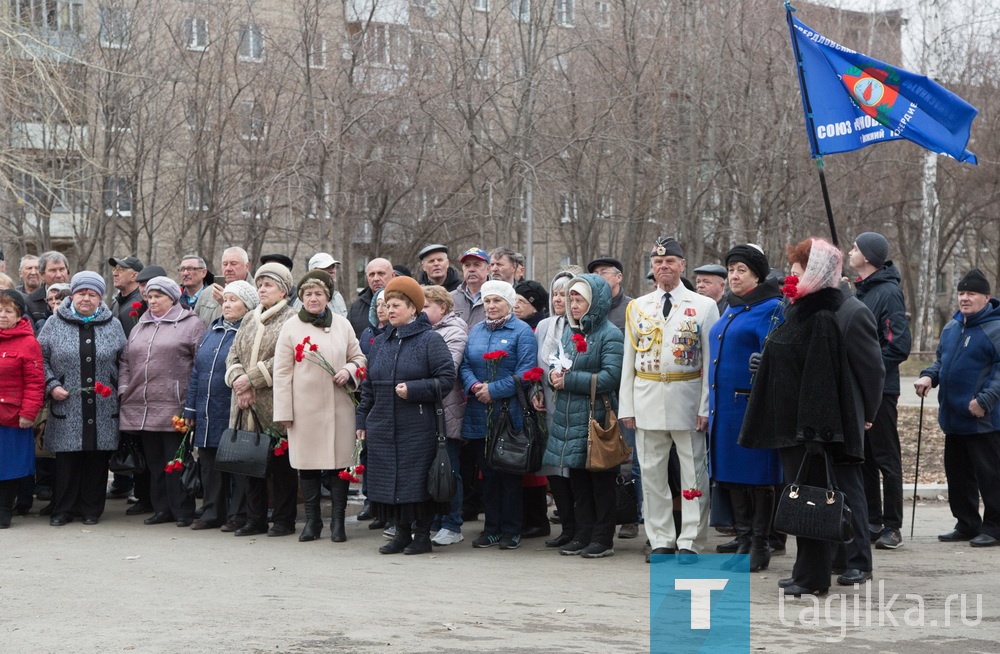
(322, 414)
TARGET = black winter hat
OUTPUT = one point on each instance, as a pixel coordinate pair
(752, 257)
(533, 292)
(975, 281)
(873, 247)
(17, 299)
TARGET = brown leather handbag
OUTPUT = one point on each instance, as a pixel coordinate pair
(606, 447)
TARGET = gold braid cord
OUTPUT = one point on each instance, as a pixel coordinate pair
(655, 331)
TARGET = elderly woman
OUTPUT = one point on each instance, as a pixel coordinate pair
(589, 299)
(81, 344)
(748, 475)
(487, 381)
(802, 401)
(409, 373)
(439, 307)
(155, 371)
(250, 373)
(208, 401)
(316, 364)
(22, 393)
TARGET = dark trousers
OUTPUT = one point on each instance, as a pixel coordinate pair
(858, 553)
(595, 505)
(813, 557)
(284, 485)
(882, 455)
(165, 491)
(215, 484)
(81, 483)
(972, 465)
(236, 502)
(502, 501)
(472, 499)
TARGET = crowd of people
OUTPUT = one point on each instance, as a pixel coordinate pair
(726, 389)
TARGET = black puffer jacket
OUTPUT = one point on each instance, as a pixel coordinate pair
(881, 293)
(358, 311)
(402, 433)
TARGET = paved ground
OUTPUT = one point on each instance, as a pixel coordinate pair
(121, 586)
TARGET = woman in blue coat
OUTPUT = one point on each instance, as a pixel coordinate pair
(748, 474)
(598, 355)
(410, 371)
(208, 402)
(487, 381)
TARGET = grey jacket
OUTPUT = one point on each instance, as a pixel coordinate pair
(455, 333)
(77, 354)
(469, 310)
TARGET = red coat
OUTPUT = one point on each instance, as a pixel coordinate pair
(22, 375)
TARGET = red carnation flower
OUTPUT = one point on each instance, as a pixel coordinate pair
(361, 373)
(133, 314)
(359, 470)
(691, 493)
(137, 305)
(495, 355)
(313, 347)
(791, 287)
(306, 339)
(534, 375)
(102, 390)
(580, 341)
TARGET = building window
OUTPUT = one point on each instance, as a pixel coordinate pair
(60, 15)
(565, 12)
(567, 208)
(521, 10)
(385, 45)
(196, 33)
(252, 123)
(602, 13)
(481, 5)
(251, 43)
(114, 30)
(117, 198)
(199, 194)
(317, 51)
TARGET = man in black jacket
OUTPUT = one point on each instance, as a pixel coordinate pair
(436, 268)
(878, 288)
(124, 271)
(378, 272)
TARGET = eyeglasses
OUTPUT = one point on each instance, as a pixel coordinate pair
(184, 269)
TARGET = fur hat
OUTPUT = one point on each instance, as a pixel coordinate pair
(408, 287)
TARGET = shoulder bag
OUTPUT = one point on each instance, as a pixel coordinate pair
(441, 482)
(813, 511)
(243, 452)
(606, 446)
(128, 458)
(516, 451)
(191, 474)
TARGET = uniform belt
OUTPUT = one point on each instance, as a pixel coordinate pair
(668, 376)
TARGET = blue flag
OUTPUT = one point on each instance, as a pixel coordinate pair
(852, 100)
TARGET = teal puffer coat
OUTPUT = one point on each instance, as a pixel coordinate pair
(567, 444)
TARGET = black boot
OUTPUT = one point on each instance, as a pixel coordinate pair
(399, 542)
(763, 504)
(314, 517)
(421, 543)
(338, 493)
(8, 493)
(743, 521)
(563, 496)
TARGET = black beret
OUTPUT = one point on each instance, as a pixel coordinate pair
(276, 258)
(755, 260)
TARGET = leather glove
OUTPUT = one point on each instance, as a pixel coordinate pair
(754, 363)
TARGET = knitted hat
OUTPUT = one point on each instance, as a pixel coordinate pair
(408, 287)
(16, 298)
(277, 272)
(86, 279)
(667, 246)
(752, 257)
(166, 286)
(580, 286)
(874, 247)
(325, 279)
(245, 291)
(500, 289)
(975, 281)
(533, 292)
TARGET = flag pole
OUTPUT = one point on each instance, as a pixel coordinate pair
(811, 127)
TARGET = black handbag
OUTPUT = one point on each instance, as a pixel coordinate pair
(441, 482)
(243, 452)
(626, 501)
(191, 475)
(516, 451)
(128, 458)
(812, 511)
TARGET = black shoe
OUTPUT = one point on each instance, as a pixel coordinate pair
(560, 540)
(198, 525)
(376, 524)
(60, 519)
(984, 540)
(660, 550)
(421, 544)
(250, 529)
(955, 536)
(277, 530)
(44, 493)
(728, 548)
(398, 544)
(185, 522)
(138, 509)
(231, 526)
(786, 582)
(687, 557)
(854, 576)
(90, 520)
(572, 548)
(508, 542)
(536, 532)
(158, 519)
(597, 551)
(799, 591)
(366, 512)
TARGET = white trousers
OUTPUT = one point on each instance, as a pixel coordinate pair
(653, 449)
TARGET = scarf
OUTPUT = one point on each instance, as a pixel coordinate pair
(321, 320)
(494, 325)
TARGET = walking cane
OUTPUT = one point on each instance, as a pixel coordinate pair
(920, 433)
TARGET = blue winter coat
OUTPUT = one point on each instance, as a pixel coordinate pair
(402, 434)
(515, 338)
(208, 396)
(739, 332)
(567, 444)
(968, 366)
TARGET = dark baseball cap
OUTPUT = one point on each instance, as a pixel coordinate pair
(478, 253)
(126, 262)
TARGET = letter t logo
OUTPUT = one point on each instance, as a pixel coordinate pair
(701, 599)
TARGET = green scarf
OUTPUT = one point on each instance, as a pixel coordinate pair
(323, 320)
